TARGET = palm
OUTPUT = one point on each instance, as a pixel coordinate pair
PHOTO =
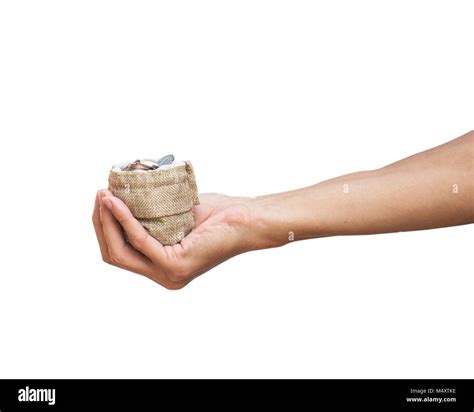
(218, 235)
(215, 236)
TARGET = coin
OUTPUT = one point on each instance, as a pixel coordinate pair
(146, 165)
(149, 164)
(133, 166)
(138, 165)
(165, 160)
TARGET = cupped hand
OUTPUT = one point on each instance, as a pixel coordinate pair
(220, 232)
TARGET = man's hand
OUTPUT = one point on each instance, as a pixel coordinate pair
(221, 224)
(429, 190)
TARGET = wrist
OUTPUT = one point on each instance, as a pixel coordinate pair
(269, 223)
(282, 218)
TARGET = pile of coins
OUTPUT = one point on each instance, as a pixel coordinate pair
(149, 164)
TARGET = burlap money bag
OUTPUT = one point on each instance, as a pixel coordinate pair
(160, 199)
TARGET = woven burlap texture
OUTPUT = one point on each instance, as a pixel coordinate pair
(160, 199)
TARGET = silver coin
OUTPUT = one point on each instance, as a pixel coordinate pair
(149, 164)
(165, 160)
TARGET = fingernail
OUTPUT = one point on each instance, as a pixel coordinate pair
(107, 201)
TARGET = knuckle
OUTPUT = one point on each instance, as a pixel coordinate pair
(124, 220)
(106, 259)
(116, 258)
(137, 240)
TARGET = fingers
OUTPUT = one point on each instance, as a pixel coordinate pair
(139, 238)
(169, 263)
(99, 232)
(119, 252)
(147, 256)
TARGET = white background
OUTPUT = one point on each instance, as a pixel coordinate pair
(262, 96)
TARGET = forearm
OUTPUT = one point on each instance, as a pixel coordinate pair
(428, 190)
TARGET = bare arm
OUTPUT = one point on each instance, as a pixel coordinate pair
(431, 189)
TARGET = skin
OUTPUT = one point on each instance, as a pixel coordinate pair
(431, 189)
